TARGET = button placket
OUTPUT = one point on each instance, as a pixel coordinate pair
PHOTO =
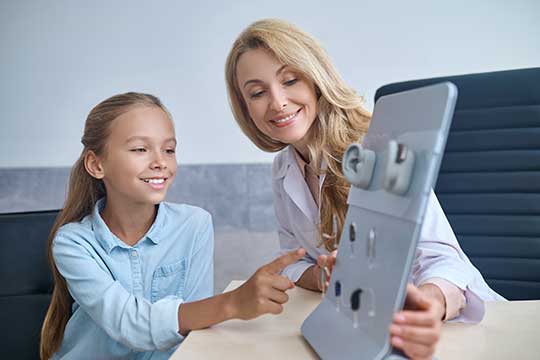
(136, 271)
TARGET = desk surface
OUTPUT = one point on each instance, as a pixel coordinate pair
(509, 331)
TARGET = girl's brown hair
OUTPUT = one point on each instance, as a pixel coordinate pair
(341, 119)
(83, 193)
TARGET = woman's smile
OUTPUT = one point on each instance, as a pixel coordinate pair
(285, 120)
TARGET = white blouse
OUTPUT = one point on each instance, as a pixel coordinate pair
(438, 254)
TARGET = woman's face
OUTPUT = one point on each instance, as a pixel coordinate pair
(281, 102)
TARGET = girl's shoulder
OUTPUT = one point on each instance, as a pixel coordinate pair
(79, 231)
(184, 212)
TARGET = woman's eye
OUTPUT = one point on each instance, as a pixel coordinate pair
(290, 82)
(256, 94)
(139, 150)
(170, 151)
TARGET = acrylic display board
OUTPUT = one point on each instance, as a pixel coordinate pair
(391, 174)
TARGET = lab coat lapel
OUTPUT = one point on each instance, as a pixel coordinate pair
(296, 188)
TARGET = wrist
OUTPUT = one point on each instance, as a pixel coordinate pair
(435, 293)
(230, 304)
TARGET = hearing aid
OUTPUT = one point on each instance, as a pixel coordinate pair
(352, 236)
(337, 292)
(325, 274)
(358, 165)
(355, 306)
(399, 167)
(370, 243)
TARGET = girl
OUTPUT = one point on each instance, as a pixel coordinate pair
(286, 95)
(129, 269)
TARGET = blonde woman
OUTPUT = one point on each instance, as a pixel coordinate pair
(287, 96)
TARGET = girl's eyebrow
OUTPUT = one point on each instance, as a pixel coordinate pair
(146, 138)
(259, 81)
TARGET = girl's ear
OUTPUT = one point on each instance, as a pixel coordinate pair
(93, 166)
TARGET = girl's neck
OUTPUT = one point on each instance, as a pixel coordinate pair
(128, 221)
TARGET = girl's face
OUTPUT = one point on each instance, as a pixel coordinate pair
(281, 102)
(140, 156)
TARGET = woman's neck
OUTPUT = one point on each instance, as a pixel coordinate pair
(129, 222)
(302, 150)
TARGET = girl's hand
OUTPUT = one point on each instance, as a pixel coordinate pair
(325, 260)
(417, 329)
(265, 291)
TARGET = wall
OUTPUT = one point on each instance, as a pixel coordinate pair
(60, 58)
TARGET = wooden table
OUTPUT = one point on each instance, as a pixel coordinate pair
(510, 330)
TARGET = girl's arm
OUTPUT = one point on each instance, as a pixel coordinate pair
(264, 292)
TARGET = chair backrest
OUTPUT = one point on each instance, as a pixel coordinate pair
(489, 182)
(26, 281)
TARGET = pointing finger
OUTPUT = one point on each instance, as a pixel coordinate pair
(283, 261)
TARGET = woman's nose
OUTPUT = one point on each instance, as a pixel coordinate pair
(279, 100)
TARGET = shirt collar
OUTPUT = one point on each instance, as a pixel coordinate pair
(109, 241)
(290, 158)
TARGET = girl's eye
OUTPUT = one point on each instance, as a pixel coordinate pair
(290, 82)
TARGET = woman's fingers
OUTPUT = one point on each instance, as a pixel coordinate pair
(417, 334)
(413, 350)
(416, 318)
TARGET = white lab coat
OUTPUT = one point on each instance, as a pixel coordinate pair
(438, 254)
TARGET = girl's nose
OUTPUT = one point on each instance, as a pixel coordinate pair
(158, 162)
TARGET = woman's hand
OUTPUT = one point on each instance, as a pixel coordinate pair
(327, 261)
(265, 291)
(417, 329)
(311, 278)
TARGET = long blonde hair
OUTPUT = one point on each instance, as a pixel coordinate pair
(341, 119)
(83, 193)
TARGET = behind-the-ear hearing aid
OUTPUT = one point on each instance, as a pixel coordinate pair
(358, 165)
(399, 167)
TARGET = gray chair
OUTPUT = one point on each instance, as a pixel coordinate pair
(26, 282)
(489, 181)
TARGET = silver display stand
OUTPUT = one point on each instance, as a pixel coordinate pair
(392, 174)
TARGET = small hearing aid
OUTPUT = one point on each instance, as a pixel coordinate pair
(337, 289)
(352, 236)
(358, 165)
(399, 167)
(334, 234)
(355, 306)
(370, 251)
(325, 274)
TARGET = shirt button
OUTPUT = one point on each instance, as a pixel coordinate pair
(134, 253)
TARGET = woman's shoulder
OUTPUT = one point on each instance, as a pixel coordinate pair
(281, 162)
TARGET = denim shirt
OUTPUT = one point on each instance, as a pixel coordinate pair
(126, 298)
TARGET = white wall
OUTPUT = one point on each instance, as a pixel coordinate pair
(59, 58)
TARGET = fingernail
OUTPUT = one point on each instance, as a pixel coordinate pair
(395, 329)
(399, 318)
(397, 341)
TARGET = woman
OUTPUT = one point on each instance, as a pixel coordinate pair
(286, 95)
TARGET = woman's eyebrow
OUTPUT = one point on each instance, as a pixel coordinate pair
(257, 81)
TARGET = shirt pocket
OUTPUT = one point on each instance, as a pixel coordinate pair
(169, 280)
